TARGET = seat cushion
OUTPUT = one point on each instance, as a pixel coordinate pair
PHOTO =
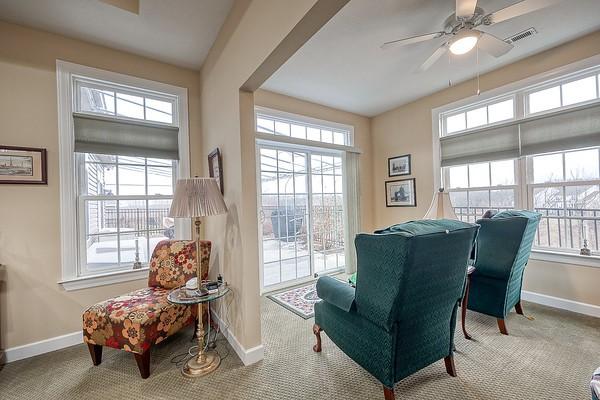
(135, 321)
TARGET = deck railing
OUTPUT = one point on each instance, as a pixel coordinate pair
(559, 227)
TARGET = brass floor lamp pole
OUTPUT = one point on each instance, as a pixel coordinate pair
(206, 361)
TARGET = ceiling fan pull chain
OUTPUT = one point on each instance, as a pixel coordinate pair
(449, 70)
(477, 55)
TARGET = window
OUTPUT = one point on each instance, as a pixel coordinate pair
(480, 116)
(123, 143)
(565, 188)
(123, 208)
(572, 92)
(542, 156)
(478, 187)
(120, 102)
(298, 127)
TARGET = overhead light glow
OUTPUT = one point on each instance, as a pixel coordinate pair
(464, 44)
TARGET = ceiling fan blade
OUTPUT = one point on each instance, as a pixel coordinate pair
(434, 57)
(465, 8)
(493, 45)
(518, 9)
(412, 39)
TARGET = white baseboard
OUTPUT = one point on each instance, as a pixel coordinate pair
(249, 356)
(563, 304)
(43, 346)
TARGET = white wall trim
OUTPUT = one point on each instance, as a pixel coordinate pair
(565, 258)
(84, 282)
(248, 356)
(43, 346)
(563, 304)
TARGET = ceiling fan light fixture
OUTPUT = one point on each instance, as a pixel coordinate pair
(462, 44)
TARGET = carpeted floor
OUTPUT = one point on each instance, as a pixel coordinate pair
(549, 358)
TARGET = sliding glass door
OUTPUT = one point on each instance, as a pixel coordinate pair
(301, 214)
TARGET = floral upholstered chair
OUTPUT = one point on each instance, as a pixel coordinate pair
(136, 321)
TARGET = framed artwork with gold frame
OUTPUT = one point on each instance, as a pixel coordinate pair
(23, 165)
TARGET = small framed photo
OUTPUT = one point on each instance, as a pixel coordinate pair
(398, 166)
(23, 165)
(215, 168)
(401, 193)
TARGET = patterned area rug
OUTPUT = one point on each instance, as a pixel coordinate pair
(300, 300)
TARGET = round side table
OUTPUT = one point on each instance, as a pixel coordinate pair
(207, 360)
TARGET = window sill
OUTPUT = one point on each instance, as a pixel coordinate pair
(90, 281)
(565, 258)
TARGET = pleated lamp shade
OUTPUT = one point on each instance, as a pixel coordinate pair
(441, 207)
(197, 197)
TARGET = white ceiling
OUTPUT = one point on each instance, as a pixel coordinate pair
(342, 66)
(178, 32)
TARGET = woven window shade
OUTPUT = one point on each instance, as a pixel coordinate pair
(564, 130)
(490, 144)
(101, 135)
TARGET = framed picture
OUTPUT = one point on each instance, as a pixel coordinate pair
(215, 167)
(401, 193)
(398, 166)
(23, 165)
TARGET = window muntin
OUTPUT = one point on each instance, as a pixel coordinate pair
(299, 129)
(478, 116)
(569, 93)
(565, 188)
(113, 100)
(478, 187)
(123, 209)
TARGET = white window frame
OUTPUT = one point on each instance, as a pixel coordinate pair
(351, 218)
(521, 90)
(488, 102)
(559, 82)
(66, 75)
(84, 81)
(303, 120)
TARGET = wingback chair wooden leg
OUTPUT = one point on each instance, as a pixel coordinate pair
(143, 363)
(388, 393)
(96, 353)
(519, 308)
(317, 331)
(450, 367)
(502, 327)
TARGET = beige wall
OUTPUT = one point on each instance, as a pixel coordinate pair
(408, 129)
(251, 32)
(32, 305)
(362, 140)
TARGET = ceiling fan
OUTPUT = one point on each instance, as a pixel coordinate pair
(460, 30)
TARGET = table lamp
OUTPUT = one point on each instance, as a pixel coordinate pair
(195, 198)
(441, 207)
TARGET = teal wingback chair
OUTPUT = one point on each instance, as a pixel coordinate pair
(503, 247)
(402, 314)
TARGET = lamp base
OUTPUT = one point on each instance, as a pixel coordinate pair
(203, 365)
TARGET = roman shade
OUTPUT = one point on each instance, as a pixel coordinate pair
(570, 129)
(498, 143)
(102, 135)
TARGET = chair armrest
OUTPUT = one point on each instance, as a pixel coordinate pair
(336, 293)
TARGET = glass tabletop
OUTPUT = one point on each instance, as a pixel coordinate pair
(182, 295)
